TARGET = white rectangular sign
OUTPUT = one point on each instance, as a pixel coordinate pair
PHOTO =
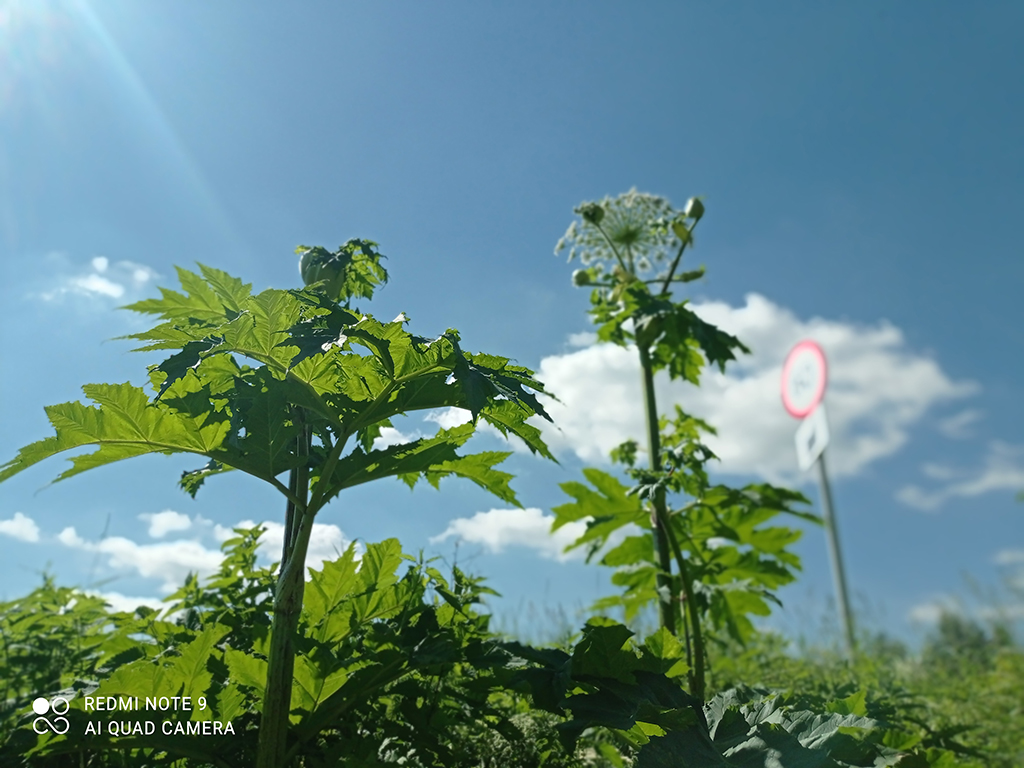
(811, 437)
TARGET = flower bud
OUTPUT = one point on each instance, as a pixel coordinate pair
(694, 208)
(591, 212)
(581, 277)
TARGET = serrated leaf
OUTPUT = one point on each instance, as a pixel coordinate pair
(600, 653)
(123, 424)
(184, 361)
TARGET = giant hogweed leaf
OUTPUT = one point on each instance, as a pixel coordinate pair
(257, 331)
(631, 551)
(123, 424)
(191, 669)
(404, 458)
(199, 303)
(176, 366)
(352, 272)
(486, 377)
(607, 681)
(432, 458)
(220, 305)
(599, 653)
(607, 507)
(261, 407)
(509, 418)
(765, 731)
(608, 498)
(378, 596)
(479, 468)
(192, 480)
(232, 292)
(670, 330)
(327, 602)
(317, 334)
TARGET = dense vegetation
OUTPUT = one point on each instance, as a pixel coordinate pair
(379, 658)
(413, 676)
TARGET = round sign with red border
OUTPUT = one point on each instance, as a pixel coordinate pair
(804, 376)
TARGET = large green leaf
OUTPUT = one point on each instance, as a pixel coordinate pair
(123, 423)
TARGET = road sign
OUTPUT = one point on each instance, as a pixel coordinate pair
(803, 379)
(804, 376)
(811, 437)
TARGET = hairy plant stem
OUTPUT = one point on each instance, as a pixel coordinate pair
(697, 684)
(273, 739)
(665, 543)
(666, 607)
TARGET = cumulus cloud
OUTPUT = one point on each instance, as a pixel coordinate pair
(449, 417)
(878, 389)
(499, 529)
(102, 279)
(171, 561)
(959, 425)
(168, 561)
(162, 523)
(390, 436)
(1009, 557)
(20, 527)
(1001, 470)
(930, 611)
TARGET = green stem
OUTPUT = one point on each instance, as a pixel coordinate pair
(666, 608)
(615, 250)
(697, 685)
(675, 262)
(273, 738)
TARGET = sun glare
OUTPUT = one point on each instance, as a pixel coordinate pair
(33, 40)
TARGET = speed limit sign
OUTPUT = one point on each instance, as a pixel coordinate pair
(804, 375)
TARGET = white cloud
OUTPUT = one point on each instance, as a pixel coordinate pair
(172, 561)
(103, 279)
(162, 523)
(959, 425)
(20, 527)
(878, 389)
(169, 561)
(930, 611)
(449, 417)
(1002, 470)
(96, 284)
(1009, 557)
(390, 436)
(584, 339)
(501, 528)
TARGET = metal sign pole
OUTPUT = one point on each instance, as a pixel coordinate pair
(804, 377)
(835, 555)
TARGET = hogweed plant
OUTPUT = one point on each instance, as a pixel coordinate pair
(709, 558)
(293, 387)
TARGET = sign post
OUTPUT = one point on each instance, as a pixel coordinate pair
(804, 376)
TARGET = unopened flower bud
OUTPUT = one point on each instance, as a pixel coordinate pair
(581, 277)
(694, 208)
(591, 212)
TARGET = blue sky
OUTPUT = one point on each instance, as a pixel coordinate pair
(862, 170)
